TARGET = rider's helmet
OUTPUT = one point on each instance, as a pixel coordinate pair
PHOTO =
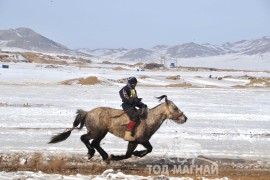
(132, 81)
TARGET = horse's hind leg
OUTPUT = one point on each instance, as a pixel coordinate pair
(85, 139)
(96, 144)
(142, 153)
(131, 147)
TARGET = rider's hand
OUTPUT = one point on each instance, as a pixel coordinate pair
(137, 100)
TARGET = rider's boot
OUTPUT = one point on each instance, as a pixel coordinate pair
(128, 136)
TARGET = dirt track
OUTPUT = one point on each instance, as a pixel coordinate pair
(148, 166)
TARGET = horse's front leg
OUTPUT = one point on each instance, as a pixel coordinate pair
(131, 147)
(142, 153)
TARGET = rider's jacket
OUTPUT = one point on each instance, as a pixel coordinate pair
(129, 98)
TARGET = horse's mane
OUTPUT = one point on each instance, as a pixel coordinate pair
(156, 106)
(162, 97)
(159, 99)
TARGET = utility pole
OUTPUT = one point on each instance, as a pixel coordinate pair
(163, 60)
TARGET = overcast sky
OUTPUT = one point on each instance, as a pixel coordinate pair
(138, 23)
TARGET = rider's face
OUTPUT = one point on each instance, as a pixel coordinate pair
(133, 85)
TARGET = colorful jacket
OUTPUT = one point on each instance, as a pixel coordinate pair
(130, 98)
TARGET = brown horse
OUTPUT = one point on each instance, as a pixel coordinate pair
(100, 121)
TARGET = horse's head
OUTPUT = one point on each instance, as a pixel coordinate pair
(173, 112)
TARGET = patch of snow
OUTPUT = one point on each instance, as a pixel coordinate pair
(3, 43)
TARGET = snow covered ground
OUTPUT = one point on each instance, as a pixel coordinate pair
(108, 174)
(222, 121)
(258, 62)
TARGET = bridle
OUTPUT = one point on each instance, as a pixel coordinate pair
(180, 114)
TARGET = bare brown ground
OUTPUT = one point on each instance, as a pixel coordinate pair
(173, 77)
(183, 85)
(118, 68)
(72, 163)
(92, 80)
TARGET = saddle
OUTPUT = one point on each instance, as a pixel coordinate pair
(143, 113)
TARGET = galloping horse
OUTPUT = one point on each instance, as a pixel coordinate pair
(101, 120)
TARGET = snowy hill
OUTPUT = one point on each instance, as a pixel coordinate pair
(111, 53)
(257, 46)
(26, 39)
(139, 53)
(188, 50)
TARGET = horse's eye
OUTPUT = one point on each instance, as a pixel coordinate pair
(176, 109)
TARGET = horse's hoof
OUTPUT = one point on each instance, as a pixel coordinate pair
(107, 161)
(111, 157)
(90, 156)
(136, 153)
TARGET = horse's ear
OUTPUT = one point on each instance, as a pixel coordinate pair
(162, 97)
(166, 100)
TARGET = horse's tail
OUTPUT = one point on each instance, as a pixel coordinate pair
(80, 119)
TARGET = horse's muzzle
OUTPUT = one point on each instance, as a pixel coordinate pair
(185, 118)
(182, 117)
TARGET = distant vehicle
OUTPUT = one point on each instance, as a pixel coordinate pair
(172, 65)
(139, 69)
(212, 69)
(5, 66)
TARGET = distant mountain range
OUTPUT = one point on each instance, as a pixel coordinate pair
(27, 39)
(186, 50)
